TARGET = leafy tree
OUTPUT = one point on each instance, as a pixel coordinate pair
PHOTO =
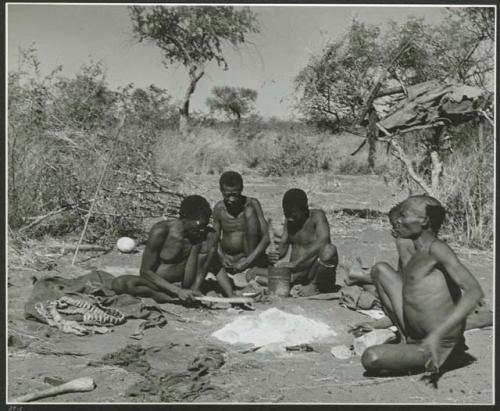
(193, 37)
(460, 49)
(335, 83)
(232, 101)
(331, 86)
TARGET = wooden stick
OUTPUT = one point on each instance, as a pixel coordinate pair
(41, 218)
(78, 385)
(401, 156)
(122, 121)
(422, 127)
(229, 300)
(359, 148)
(325, 296)
(378, 84)
(487, 117)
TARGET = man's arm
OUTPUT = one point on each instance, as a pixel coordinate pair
(264, 232)
(322, 235)
(203, 267)
(471, 294)
(192, 266)
(151, 259)
(284, 243)
(218, 234)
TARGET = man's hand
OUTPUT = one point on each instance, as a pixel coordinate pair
(196, 292)
(226, 262)
(430, 345)
(274, 257)
(361, 328)
(185, 296)
(240, 266)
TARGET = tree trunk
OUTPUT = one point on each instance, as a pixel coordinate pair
(437, 165)
(194, 77)
(372, 136)
(480, 188)
(437, 171)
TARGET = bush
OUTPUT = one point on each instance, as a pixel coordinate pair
(203, 151)
(62, 136)
(467, 183)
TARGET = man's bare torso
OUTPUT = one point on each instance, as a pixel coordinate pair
(304, 237)
(428, 297)
(233, 228)
(175, 250)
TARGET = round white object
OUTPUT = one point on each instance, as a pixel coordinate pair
(125, 244)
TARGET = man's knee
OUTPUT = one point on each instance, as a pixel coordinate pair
(328, 254)
(381, 271)
(120, 285)
(370, 359)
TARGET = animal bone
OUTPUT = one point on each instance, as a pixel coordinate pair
(77, 385)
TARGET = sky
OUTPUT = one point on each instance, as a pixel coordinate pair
(72, 35)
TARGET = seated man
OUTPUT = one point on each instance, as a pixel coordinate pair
(242, 232)
(431, 305)
(177, 251)
(362, 276)
(313, 258)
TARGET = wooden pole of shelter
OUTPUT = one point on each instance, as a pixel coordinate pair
(399, 153)
(101, 179)
(371, 136)
(378, 84)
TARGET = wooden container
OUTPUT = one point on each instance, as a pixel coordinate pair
(279, 281)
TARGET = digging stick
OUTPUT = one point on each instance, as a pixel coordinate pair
(229, 300)
(122, 120)
(78, 385)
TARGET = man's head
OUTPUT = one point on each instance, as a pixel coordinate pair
(419, 213)
(394, 215)
(231, 187)
(195, 211)
(295, 206)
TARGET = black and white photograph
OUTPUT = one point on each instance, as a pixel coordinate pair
(258, 203)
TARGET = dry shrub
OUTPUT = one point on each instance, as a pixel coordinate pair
(467, 188)
(62, 134)
(202, 151)
(467, 184)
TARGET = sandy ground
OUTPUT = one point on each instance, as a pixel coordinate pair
(290, 377)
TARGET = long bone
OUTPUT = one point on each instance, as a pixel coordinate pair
(77, 385)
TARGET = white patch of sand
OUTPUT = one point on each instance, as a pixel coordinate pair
(274, 327)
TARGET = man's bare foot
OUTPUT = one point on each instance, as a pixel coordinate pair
(358, 274)
(304, 290)
(481, 317)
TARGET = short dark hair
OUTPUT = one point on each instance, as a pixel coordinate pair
(231, 179)
(394, 211)
(433, 209)
(295, 197)
(194, 207)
